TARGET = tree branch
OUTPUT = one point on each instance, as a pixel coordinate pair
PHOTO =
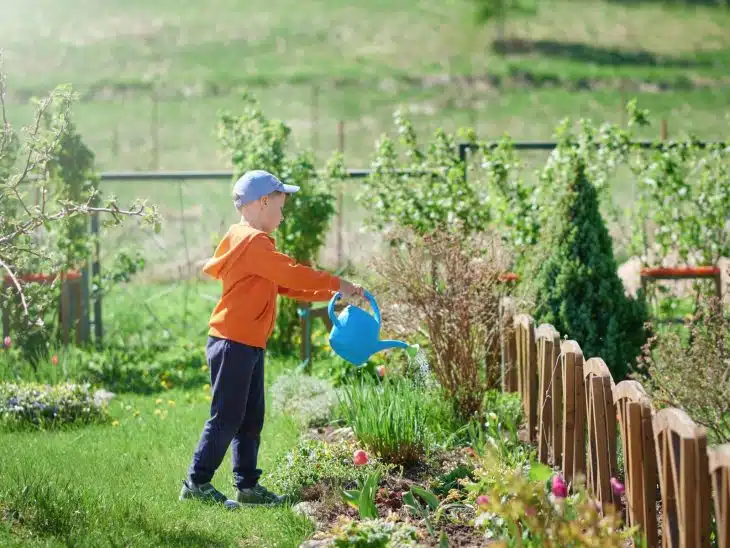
(84, 209)
(16, 284)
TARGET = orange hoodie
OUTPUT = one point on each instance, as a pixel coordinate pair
(253, 272)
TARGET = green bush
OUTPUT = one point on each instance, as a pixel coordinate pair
(309, 399)
(314, 464)
(143, 369)
(42, 406)
(433, 192)
(576, 285)
(389, 417)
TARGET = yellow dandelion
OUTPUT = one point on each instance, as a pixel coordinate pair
(206, 386)
(115, 423)
(171, 403)
(158, 401)
(158, 411)
(204, 367)
(207, 397)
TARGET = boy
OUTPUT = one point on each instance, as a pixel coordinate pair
(253, 272)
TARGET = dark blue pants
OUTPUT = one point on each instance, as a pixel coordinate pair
(236, 413)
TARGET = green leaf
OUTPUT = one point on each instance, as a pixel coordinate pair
(540, 472)
(352, 498)
(431, 499)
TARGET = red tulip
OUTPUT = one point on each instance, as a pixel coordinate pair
(381, 370)
(360, 457)
(54, 359)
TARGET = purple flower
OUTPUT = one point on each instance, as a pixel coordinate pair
(559, 487)
(617, 486)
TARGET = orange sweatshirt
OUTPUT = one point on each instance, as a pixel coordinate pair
(253, 273)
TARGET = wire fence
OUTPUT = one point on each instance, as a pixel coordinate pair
(197, 210)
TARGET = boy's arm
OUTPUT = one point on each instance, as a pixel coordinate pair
(264, 260)
(319, 295)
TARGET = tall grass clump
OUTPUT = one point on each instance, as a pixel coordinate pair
(389, 417)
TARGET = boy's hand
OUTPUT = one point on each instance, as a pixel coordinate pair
(349, 289)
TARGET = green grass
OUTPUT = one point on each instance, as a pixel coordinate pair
(224, 42)
(117, 485)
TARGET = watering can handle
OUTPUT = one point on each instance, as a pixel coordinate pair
(331, 310)
(376, 310)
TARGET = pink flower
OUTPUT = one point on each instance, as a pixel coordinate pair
(381, 370)
(617, 486)
(360, 457)
(530, 511)
(482, 500)
(8, 341)
(54, 359)
(559, 488)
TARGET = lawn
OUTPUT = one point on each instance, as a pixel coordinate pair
(117, 484)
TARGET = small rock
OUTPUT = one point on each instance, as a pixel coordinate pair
(309, 509)
(317, 543)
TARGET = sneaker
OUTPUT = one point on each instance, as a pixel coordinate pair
(259, 495)
(207, 493)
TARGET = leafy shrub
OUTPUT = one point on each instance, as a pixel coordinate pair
(389, 418)
(309, 399)
(48, 161)
(375, 533)
(576, 284)
(431, 195)
(313, 467)
(131, 369)
(449, 283)
(691, 373)
(42, 406)
(253, 141)
(122, 368)
(683, 204)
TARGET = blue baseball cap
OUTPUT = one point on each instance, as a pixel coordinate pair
(257, 183)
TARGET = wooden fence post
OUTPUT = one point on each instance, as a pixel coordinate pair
(550, 396)
(601, 420)
(720, 473)
(527, 370)
(684, 477)
(574, 411)
(509, 346)
(637, 440)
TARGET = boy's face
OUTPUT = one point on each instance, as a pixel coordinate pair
(272, 215)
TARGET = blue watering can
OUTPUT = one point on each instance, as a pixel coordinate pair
(355, 334)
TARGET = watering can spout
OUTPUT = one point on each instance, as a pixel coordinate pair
(386, 344)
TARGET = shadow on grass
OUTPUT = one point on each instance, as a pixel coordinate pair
(66, 513)
(586, 53)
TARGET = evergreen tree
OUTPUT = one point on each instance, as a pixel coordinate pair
(577, 288)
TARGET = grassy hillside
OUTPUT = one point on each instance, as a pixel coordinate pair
(367, 58)
(153, 76)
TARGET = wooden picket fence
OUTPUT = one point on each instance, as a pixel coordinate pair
(577, 417)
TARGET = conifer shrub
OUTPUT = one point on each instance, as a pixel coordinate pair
(576, 287)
